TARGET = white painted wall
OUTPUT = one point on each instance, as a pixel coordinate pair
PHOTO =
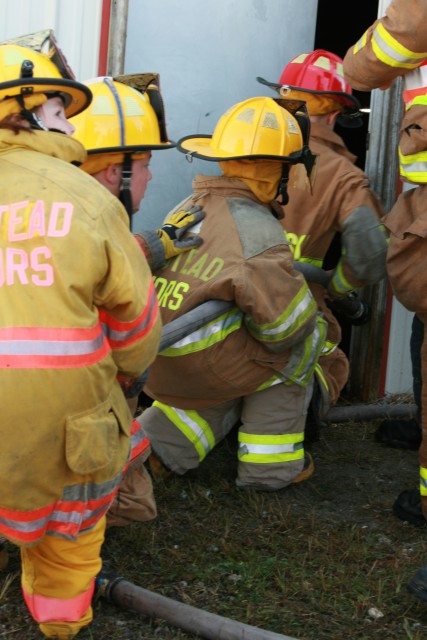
(208, 54)
(76, 24)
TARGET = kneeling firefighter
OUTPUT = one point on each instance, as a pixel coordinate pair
(254, 364)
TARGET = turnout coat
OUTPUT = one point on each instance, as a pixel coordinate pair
(272, 330)
(78, 308)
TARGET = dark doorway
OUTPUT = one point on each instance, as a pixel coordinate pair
(336, 32)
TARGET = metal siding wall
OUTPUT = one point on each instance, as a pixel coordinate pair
(76, 25)
(208, 55)
(399, 368)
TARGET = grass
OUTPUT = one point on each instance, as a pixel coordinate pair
(324, 560)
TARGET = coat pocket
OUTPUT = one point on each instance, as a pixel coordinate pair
(92, 440)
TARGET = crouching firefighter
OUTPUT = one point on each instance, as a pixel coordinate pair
(254, 364)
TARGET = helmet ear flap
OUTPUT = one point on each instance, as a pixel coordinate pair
(304, 124)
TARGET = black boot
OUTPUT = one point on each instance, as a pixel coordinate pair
(407, 507)
(399, 434)
(418, 584)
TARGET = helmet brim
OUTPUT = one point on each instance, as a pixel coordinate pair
(79, 95)
(139, 148)
(200, 147)
(346, 99)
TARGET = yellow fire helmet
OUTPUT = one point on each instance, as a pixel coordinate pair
(126, 119)
(256, 128)
(122, 118)
(26, 74)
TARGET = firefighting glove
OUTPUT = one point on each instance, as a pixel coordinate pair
(172, 233)
(351, 308)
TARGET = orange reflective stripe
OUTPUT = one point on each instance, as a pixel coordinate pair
(140, 442)
(51, 347)
(121, 334)
(79, 509)
(46, 609)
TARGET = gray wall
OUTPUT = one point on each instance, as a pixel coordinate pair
(208, 54)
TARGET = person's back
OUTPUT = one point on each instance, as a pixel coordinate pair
(79, 309)
(256, 360)
(119, 130)
(61, 236)
(395, 46)
(340, 201)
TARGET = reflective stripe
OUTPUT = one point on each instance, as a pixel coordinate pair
(423, 481)
(267, 449)
(79, 508)
(49, 347)
(360, 43)
(140, 442)
(47, 609)
(192, 427)
(304, 356)
(339, 282)
(328, 348)
(414, 167)
(391, 52)
(120, 334)
(211, 334)
(318, 371)
(317, 262)
(289, 322)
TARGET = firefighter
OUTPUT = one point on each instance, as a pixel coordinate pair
(119, 130)
(78, 307)
(340, 202)
(393, 46)
(254, 364)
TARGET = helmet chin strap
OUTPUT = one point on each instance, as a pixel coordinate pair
(282, 189)
(35, 122)
(125, 187)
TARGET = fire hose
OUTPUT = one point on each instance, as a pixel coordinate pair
(199, 622)
(350, 306)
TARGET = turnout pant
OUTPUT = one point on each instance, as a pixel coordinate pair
(58, 581)
(270, 434)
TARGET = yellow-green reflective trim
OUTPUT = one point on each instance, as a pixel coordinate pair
(212, 333)
(282, 438)
(270, 383)
(302, 307)
(313, 345)
(423, 481)
(414, 167)
(196, 433)
(317, 262)
(261, 449)
(339, 282)
(422, 99)
(361, 42)
(393, 53)
(329, 347)
(319, 374)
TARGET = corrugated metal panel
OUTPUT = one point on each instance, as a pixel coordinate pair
(399, 368)
(76, 25)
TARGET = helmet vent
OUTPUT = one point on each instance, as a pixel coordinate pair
(247, 115)
(270, 121)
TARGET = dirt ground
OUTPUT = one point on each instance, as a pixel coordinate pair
(312, 562)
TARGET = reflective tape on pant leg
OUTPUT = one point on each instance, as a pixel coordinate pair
(192, 426)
